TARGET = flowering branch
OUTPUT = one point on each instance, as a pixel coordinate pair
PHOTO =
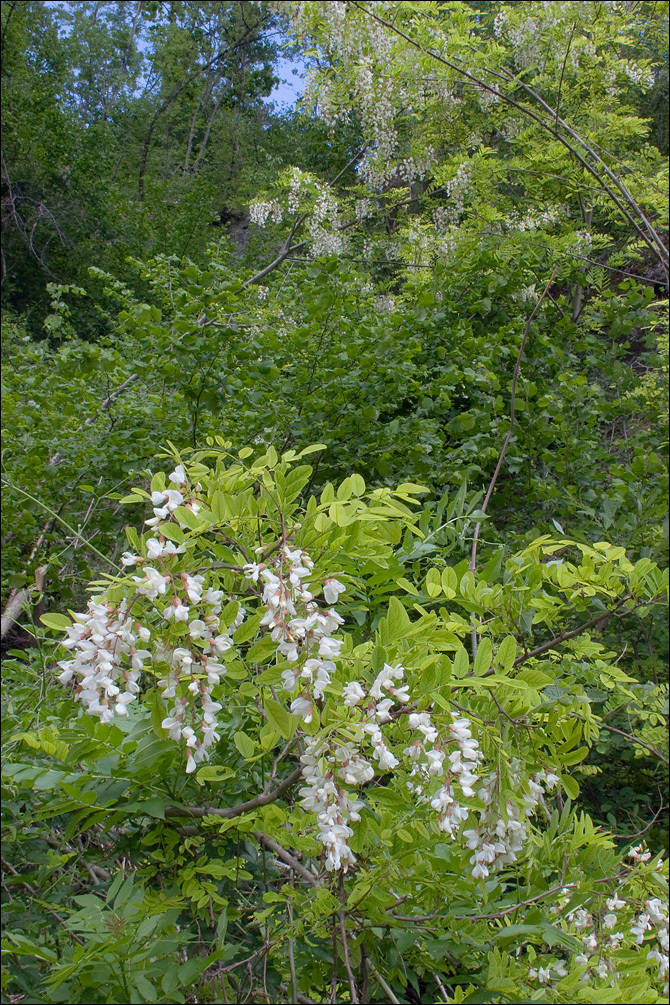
(653, 242)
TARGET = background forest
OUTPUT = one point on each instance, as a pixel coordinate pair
(360, 407)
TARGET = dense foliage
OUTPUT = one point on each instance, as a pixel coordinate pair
(335, 503)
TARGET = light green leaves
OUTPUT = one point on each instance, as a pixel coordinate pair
(57, 622)
(245, 745)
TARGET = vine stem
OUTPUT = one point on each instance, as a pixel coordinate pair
(345, 944)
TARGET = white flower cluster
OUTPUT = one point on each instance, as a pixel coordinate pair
(415, 168)
(326, 241)
(485, 97)
(613, 932)
(637, 75)
(528, 294)
(105, 638)
(543, 975)
(441, 219)
(303, 632)
(457, 190)
(106, 658)
(526, 38)
(298, 185)
(547, 218)
(384, 304)
(193, 717)
(583, 240)
(323, 795)
(498, 839)
(448, 246)
(499, 23)
(579, 50)
(363, 209)
(260, 212)
(456, 767)
(323, 764)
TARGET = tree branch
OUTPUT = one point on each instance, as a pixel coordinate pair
(596, 620)
(110, 398)
(635, 739)
(229, 812)
(286, 857)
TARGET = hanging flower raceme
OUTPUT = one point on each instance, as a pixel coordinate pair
(107, 661)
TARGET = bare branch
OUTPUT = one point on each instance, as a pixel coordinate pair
(110, 398)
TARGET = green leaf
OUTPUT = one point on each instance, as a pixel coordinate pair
(248, 628)
(398, 619)
(187, 517)
(570, 786)
(433, 583)
(449, 583)
(461, 663)
(173, 532)
(507, 653)
(214, 773)
(57, 622)
(313, 448)
(219, 507)
(245, 745)
(281, 719)
(484, 657)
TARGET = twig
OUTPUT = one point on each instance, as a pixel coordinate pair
(630, 837)
(634, 739)
(441, 987)
(33, 893)
(596, 620)
(382, 983)
(229, 812)
(110, 398)
(333, 974)
(286, 856)
(55, 515)
(291, 956)
(345, 944)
